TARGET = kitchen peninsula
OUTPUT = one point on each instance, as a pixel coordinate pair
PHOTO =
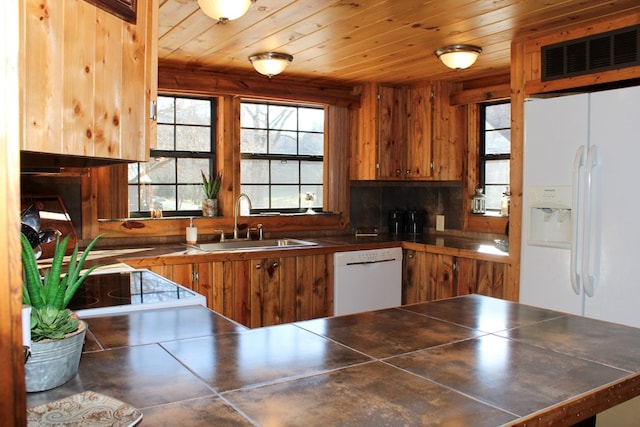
(470, 360)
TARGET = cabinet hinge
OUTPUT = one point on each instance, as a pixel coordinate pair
(194, 276)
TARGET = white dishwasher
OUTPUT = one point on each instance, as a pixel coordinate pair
(367, 280)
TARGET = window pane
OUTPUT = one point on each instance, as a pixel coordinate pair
(498, 142)
(497, 172)
(285, 196)
(134, 206)
(259, 195)
(189, 170)
(254, 171)
(284, 172)
(190, 197)
(193, 138)
(163, 196)
(281, 142)
(253, 115)
(253, 141)
(498, 116)
(193, 111)
(133, 175)
(283, 117)
(494, 196)
(161, 171)
(166, 137)
(311, 172)
(165, 109)
(316, 190)
(311, 119)
(284, 144)
(311, 144)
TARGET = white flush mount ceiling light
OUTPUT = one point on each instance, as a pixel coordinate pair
(458, 56)
(270, 63)
(225, 10)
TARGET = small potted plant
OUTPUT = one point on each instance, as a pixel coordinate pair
(211, 186)
(57, 335)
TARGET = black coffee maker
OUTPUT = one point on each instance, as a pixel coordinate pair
(396, 221)
(415, 221)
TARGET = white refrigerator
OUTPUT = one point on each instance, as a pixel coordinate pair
(588, 145)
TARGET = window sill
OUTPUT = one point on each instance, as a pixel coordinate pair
(487, 223)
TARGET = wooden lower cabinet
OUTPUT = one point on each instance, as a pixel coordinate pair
(430, 276)
(260, 292)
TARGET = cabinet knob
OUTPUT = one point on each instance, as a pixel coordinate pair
(275, 265)
(398, 172)
(408, 172)
(258, 266)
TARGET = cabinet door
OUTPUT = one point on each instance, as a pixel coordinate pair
(313, 287)
(449, 135)
(272, 288)
(442, 276)
(418, 155)
(481, 277)
(90, 79)
(391, 120)
(415, 277)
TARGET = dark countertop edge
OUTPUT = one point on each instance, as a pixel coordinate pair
(181, 253)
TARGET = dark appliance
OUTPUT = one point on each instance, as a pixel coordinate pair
(415, 221)
(396, 221)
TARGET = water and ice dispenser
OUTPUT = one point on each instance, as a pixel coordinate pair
(550, 216)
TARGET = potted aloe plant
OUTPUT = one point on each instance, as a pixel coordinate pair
(211, 186)
(57, 335)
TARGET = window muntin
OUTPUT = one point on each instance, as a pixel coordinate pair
(495, 152)
(282, 154)
(171, 179)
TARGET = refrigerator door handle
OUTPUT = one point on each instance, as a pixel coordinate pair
(574, 267)
(590, 278)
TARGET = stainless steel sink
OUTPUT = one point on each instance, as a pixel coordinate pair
(252, 245)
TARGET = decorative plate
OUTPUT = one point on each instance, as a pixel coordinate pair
(84, 409)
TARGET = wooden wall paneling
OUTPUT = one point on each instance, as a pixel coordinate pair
(150, 10)
(12, 393)
(111, 196)
(337, 156)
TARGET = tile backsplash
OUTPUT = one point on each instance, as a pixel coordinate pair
(371, 202)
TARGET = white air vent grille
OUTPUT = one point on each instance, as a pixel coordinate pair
(607, 51)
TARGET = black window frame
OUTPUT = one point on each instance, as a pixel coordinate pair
(483, 158)
(284, 157)
(158, 153)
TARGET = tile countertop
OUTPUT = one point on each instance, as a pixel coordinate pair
(465, 361)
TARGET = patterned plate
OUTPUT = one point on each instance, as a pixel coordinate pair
(84, 409)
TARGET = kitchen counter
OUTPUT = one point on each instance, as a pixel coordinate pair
(466, 361)
(139, 257)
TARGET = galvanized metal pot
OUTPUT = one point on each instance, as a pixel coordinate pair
(54, 362)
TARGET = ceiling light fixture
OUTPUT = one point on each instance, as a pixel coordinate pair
(270, 63)
(225, 10)
(458, 56)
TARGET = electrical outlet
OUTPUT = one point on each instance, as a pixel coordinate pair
(439, 222)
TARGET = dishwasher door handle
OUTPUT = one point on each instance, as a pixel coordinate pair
(378, 261)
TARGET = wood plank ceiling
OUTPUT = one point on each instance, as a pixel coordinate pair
(368, 40)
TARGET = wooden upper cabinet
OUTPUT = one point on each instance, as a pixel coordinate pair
(90, 78)
(407, 133)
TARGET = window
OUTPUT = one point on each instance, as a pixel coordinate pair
(495, 152)
(282, 153)
(171, 180)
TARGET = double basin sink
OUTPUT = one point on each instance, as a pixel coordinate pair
(252, 245)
